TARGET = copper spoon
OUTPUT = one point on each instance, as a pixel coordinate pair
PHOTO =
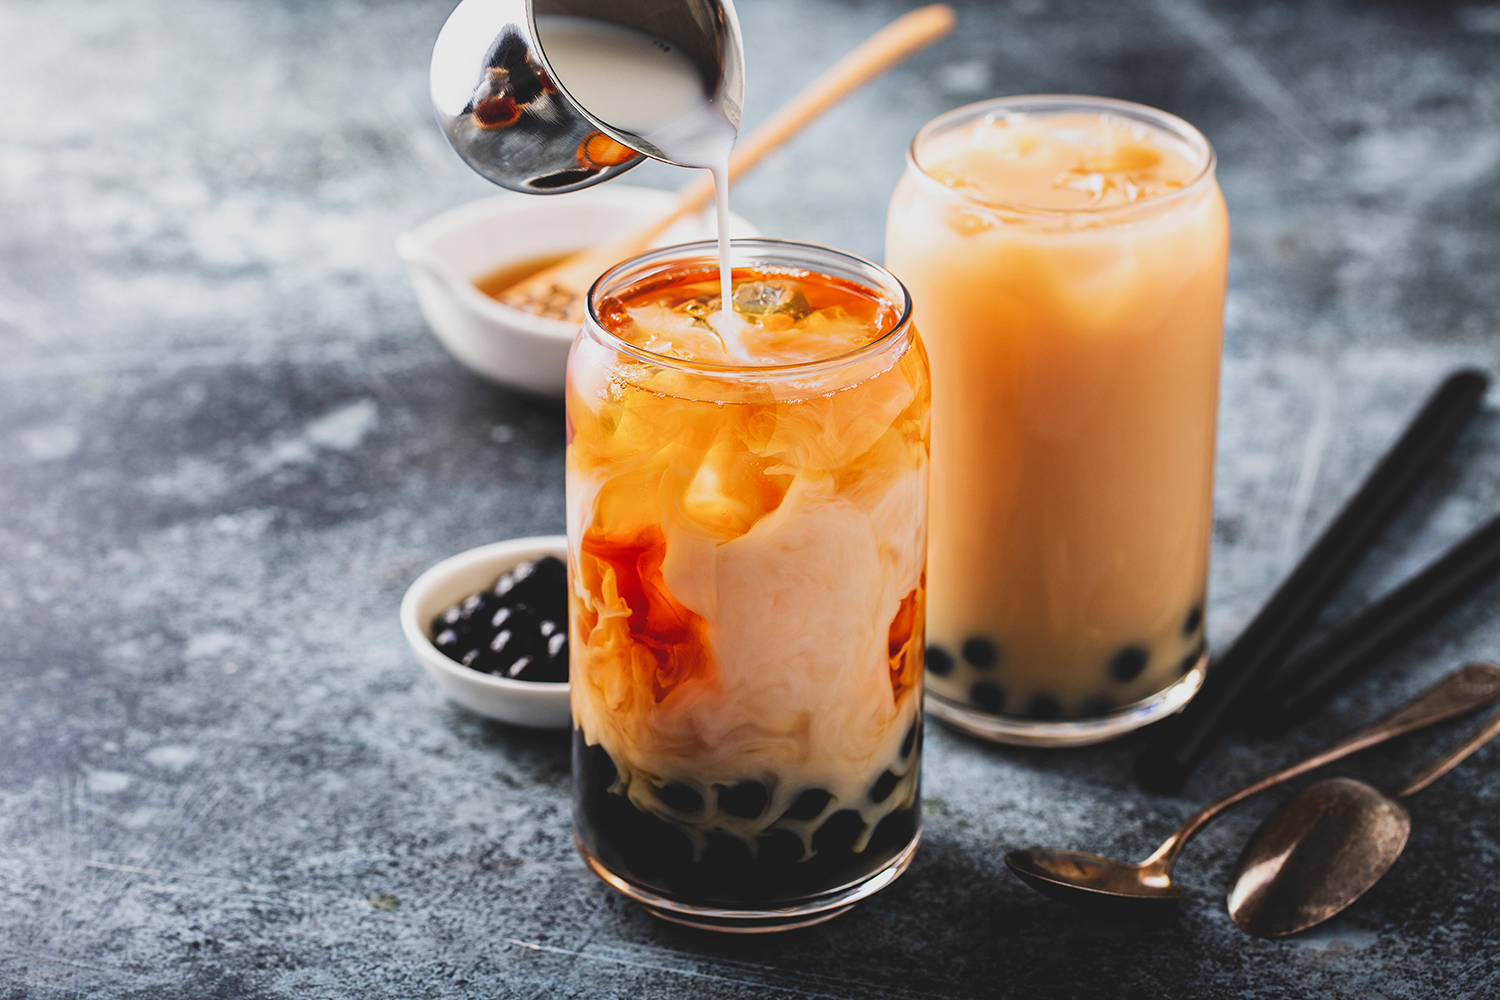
(1083, 879)
(1326, 846)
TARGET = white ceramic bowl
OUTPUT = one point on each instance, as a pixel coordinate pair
(521, 703)
(446, 254)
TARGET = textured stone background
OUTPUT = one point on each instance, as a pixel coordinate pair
(227, 444)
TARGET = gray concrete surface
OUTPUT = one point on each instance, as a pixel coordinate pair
(227, 444)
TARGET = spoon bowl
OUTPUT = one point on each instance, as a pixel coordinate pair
(1087, 880)
(1326, 846)
(1315, 854)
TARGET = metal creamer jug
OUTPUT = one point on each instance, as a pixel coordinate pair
(549, 96)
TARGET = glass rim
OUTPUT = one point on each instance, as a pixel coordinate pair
(875, 278)
(1167, 122)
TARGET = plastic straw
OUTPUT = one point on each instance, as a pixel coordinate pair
(1239, 677)
(1305, 683)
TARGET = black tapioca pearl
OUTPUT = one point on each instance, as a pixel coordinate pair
(746, 799)
(513, 643)
(648, 844)
(939, 661)
(1191, 660)
(1096, 704)
(680, 797)
(778, 847)
(541, 584)
(468, 617)
(892, 834)
(449, 644)
(988, 696)
(1193, 620)
(606, 823)
(980, 653)
(725, 848)
(910, 742)
(476, 610)
(1043, 706)
(839, 832)
(481, 659)
(593, 763)
(557, 656)
(809, 805)
(1128, 664)
(536, 670)
(883, 787)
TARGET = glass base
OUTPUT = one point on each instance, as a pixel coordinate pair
(797, 913)
(1021, 731)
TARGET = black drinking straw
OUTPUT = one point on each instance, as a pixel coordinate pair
(1304, 684)
(1181, 742)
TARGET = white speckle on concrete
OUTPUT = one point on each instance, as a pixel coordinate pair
(193, 479)
(108, 782)
(174, 758)
(50, 443)
(246, 524)
(137, 819)
(344, 429)
(208, 644)
(1335, 938)
(294, 452)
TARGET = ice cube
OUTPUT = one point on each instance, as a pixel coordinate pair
(766, 298)
(702, 307)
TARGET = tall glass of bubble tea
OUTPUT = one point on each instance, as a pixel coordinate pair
(747, 516)
(1067, 259)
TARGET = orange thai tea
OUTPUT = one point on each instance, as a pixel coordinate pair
(1066, 259)
(747, 542)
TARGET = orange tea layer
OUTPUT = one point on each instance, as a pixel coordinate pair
(748, 551)
(1075, 363)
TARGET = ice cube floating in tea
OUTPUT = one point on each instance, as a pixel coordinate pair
(747, 555)
(1067, 269)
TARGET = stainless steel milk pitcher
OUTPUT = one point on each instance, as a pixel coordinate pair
(511, 118)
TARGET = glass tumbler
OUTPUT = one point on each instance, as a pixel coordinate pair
(746, 549)
(1067, 259)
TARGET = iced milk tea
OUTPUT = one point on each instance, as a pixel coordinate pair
(747, 541)
(1066, 258)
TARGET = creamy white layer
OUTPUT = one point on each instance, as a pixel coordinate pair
(799, 610)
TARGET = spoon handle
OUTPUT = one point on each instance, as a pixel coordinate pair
(1471, 686)
(1453, 758)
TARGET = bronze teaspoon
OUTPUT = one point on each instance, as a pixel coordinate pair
(1324, 847)
(1088, 880)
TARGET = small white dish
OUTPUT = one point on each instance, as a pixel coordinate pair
(449, 252)
(520, 703)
